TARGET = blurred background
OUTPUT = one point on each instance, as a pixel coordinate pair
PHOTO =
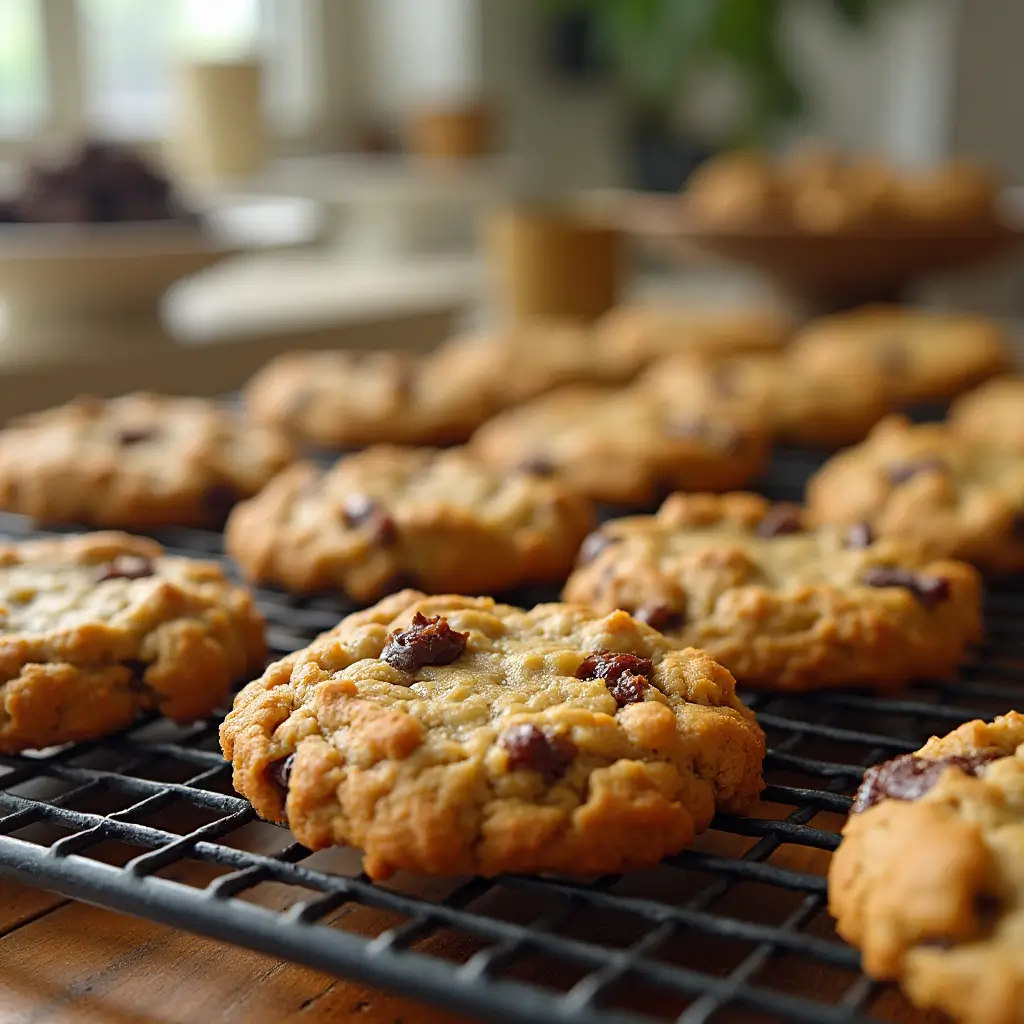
(394, 127)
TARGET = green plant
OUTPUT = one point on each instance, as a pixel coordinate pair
(652, 44)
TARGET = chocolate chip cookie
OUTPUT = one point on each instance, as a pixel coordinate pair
(453, 735)
(923, 356)
(638, 334)
(140, 461)
(389, 514)
(782, 606)
(99, 628)
(992, 414)
(810, 408)
(928, 485)
(626, 447)
(928, 879)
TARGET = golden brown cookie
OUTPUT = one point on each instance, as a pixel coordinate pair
(923, 356)
(139, 461)
(453, 735)
(625, 447)
(783, 606)
(388, 514)
(99, 628)
(992, 414)
(925, 484)
(928, 880)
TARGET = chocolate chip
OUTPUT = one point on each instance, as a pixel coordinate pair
(860, 535)
(538, 465)
(625, 675)
(782, 518)
(537, 750)
(593, 545)
(660, 616)
(909, 777)
(219, 499)
(128, 436)
(929, 590)
(279, 774)
(426, 642)
(359, 510)
(126, 567)
(900, 473)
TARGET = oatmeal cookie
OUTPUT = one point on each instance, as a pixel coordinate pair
(928, 881)
(389, 514)
(140, 461)
(782, 606)
(97, 629)
(626, 447)
(341, 399)
(638, 334)
(923, 356)
(992, 414)
(926, 484)
(453, 735)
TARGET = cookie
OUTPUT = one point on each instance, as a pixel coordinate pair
(390, 514)
(923, 356)
(734, 190)
(928, 880)
(782, 606)
(345, 399)
(453, 735)
(957, 192)
(100, 628)
(800, 408)
(625, 447)
(928, 485)
(639, 334)
(992, 414)
(140, 461)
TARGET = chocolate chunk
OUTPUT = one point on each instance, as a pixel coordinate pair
(909, 777)
(537, 750)
(426, 642)
(782, 518)
(625, 675)
(900, 473)
(929, 590)
(359, 510)
(125, 567)
(538, 465)
(219, 499)
(593, 545)
(860, 535)
(660, 616)
(279, 774)
(128, 436)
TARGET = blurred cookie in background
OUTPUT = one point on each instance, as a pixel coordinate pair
(625, 447)
(922, 355)
(992, 414)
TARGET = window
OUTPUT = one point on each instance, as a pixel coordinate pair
(23, 100)
(123, 56)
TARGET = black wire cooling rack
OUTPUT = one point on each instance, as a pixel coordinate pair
(734, 929)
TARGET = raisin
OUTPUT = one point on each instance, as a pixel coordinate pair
(860, 535)
(426, 642)
(127, 436)
(894, 358)
(537, 750)
(360, 510)
(929, 590)
(909, 777)
(137, 670)
(725, 379)
(660, 616)
(219, 499)
(779, 519)
(720, 436)
(593, 545)
(400, 581)
(279, 774)
(1017, 526)
(900, 473)
(126, 567)
(625, 675)
(538, 465)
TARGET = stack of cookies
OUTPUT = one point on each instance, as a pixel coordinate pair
(443, 731)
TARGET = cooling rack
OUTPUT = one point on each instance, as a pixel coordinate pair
(734, 929)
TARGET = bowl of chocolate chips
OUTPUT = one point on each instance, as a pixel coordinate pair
(92, 238)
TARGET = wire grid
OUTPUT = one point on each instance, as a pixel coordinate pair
(147, 823)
